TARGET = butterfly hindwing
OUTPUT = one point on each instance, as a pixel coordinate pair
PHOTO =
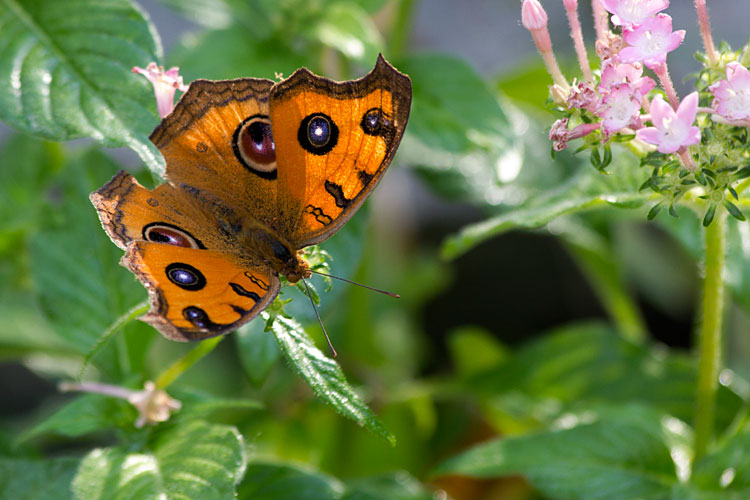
(334, 141)
(197, 294)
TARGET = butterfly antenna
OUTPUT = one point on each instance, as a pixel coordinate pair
(315, 308)
(390, 294)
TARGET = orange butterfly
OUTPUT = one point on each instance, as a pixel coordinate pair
(256, 170)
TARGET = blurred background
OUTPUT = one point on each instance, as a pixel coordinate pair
(455, 168)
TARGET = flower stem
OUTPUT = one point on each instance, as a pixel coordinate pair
(709, 334)
(181, 365)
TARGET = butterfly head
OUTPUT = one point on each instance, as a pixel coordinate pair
(277, 254)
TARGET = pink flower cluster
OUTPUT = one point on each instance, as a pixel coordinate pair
(621, 96)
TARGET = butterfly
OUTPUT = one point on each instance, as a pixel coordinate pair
(255, 171)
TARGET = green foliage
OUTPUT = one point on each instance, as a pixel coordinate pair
(65, 77)
(588, 410)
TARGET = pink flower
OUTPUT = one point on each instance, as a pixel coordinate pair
(614, 74)
(651, 41)
(560, 135)
(672, 130)
(732, 96)
(165, 84)
(620, 108)
(582, 95)
(629, 12)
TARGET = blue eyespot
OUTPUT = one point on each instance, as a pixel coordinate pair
(185, 276)
(318, 134)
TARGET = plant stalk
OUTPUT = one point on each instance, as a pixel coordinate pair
(181, 365)
(710, 333)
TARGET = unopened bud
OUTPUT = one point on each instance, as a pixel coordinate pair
(533, 15)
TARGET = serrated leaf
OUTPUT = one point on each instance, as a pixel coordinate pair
(24, 479)
(193, 461)
(621, 455)
(324, 376)
(65, 69)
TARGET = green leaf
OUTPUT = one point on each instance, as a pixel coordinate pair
(20, 207)
(65, 69)
(75, 269)
(324, 376)
(688, 231)
(588, 189)
(394, 486)
(271, 481)
(725, 473)
(585, 364)
(24, 479)
(241, 55)
(85, 414)
(453, 109)
(349, 29)
(258, 351)
(196, 460)
(621, 455)
(265, 481)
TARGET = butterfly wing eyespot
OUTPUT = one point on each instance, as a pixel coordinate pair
(254, 147)
(335, 140)
(185, 276)
(318, 134)
(197, 294)
(162, 232)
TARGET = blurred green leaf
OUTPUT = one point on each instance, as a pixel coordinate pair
(324, 376)
(620, 455)
(585, 364)
(193, 461)
(241, 55)
(75, 272)
(258, 351)
(689, 232)
(26, 168)
(85, 414)
(66, 72)
(24, 479)
(347, 28)
(453, 109)
(587, 190)
(265, 481)
(394, 486)
(475, 350)
(725, 473)
(268, 481)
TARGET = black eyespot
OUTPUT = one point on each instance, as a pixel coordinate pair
(196, 316)
(372, 122)
(318, 134)
(253, 146)
(185, 276)
(161, 232)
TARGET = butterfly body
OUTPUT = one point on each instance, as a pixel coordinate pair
(256, 171)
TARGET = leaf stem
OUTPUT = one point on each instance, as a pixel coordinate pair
(184, 363)
(115, 327)
(710, 333)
